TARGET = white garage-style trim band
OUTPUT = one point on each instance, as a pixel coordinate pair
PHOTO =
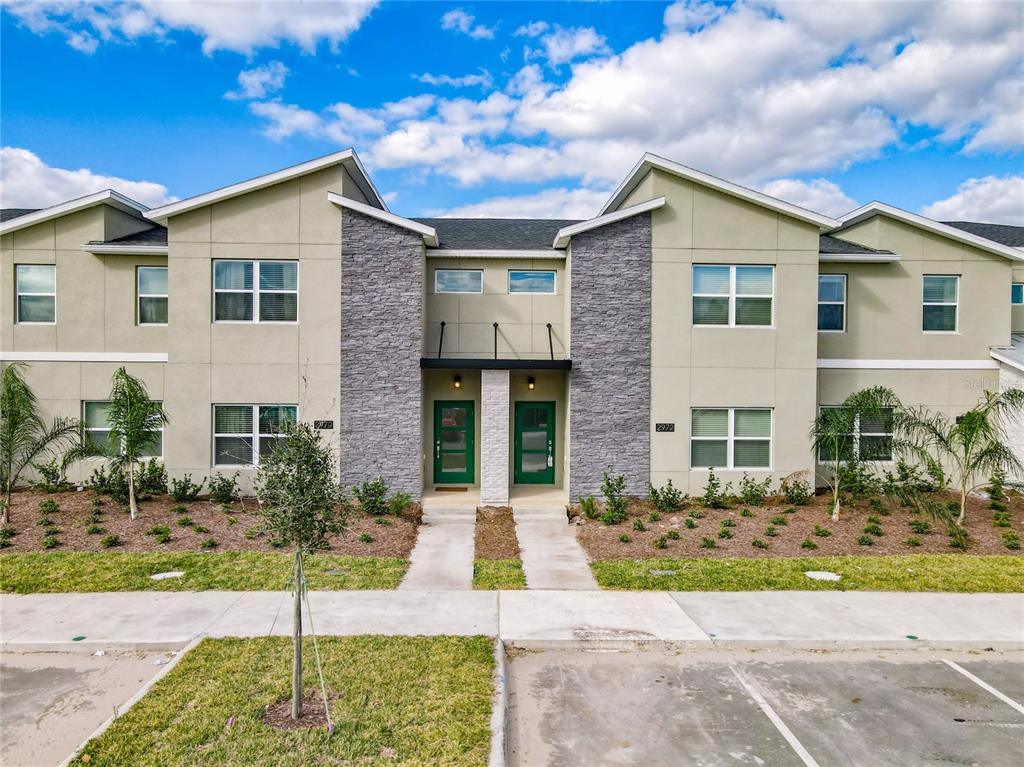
(838, 364)
(14, 356)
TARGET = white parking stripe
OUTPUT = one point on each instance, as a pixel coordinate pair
(985, 685)
(774, 718)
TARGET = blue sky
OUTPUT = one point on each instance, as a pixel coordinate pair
(533, 109)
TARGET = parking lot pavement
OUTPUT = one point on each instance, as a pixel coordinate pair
(770, 707)
(51, 702)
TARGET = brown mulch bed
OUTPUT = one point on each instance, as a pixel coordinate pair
(602, 541)
(496, 533)
(279, 715)
(393, 539)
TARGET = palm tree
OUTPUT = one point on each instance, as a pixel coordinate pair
(24, 436)
(833, 433)
(972, 445)
(133, 418)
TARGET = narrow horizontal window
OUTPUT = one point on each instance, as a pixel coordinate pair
(36, 287)
(531, 282)
(941, 303)
(243, 433)
(832, 302)
(458, 281)
(1017, 294)
(733, 295)
(255, 291)
(731, 438)
(151, 284)
(95, 418)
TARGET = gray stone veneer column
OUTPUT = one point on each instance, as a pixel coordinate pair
(381, 342)
(494, 437)
(610, 381)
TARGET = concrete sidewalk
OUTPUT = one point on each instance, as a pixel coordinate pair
(533, 619)
(443, 555)
(552, 557)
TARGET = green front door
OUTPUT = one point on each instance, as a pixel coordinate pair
(453, 442)
(535, 443)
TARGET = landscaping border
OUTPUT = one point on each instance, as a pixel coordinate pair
(499, 709)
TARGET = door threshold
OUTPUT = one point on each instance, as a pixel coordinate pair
(451, 489)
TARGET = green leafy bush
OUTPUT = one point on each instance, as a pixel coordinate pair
(796, 492)
(209, 543)
(158, 530)
(397, 503)
(200, 529)
(997, 486)
(51, 542)
(372, 496)
(746, 513)
(223, 489)
(690, 523)
(757, 543)
(1011, 540)
(185, 522)
(874, 519)
(48, 506)
(152, 479)
(771, 532)
(7, 532)
(873, 529)
(958, 538)
(858, 480)
(110, 541)
(661, 542)
(1001, 519)
(615, 503)
(654, 517)
(638, 525)
(53, 479)
(913, 541)
(667, 499)
(822, 532)
(728, 522)
(725, 532)
(366, 538)
(866, 540)
(808, 544)
(696, 514)
(673, 535)
(47, 522)
(382, 521)
(95, 530)
(752, 492)
(708, 543)
(624, 538)
(184, 490)
(589, 507)
(179, 509)
(920, 527)
(715, 496)
(779, 521)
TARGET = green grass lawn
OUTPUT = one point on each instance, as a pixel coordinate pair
(494, 574)
(929, 572)
(78, 571)
(399, 701)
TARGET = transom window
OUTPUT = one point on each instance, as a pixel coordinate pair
(1017, 294)
(97, 430)
(243, 433)
(151, 282)
(940, 296)
(871, 439)
(831, 303)
(255, 291)
(531, 282)
(36, 287)
(733, 295)
(458, 281)
(731, 438)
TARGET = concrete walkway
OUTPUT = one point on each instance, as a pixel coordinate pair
(552, 558)
(530, 619)
(443, 555)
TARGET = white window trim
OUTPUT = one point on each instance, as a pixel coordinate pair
(1012, 286)
(92, 429)
(254, 446)
(255, 291)
(730, 439)
(554, 282)
(835, 303)
(956, 304)
(139, 295)
(857, 434)
(732, 298)
(459, 292)
(17, 295)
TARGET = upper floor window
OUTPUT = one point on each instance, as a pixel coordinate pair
(458, 281)
(832, 302)
(255, 291)
(36, 287)
(151, 284)
(733, 295)
(97, 430)
(941, 292)
(242, 433)
(731, 438)
(1017, 293)
(531, 282)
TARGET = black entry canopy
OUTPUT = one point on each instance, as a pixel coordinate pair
(453, 363)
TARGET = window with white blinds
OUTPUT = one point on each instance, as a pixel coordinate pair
(151, 287)
(941, 294)
(243, 433)
(731, 438)
(255, 291)
(733, 295)
(870, 440)
(97, 430)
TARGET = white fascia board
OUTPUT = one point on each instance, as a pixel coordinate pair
(106, 197)
(1017, 364)
(901, 364)
(164, 212)
(16, 356)
(880, 208)
(858, 258)
(100, 249)
(649, 161)
(566, 233)
(456, 253)
(428, 233)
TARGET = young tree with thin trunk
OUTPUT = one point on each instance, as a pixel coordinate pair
(25, 438)
(302, 505)
(973, 445)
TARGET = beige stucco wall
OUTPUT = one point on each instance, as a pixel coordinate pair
(721, 366)
(211, 363)
(1017, 312)
(469, 317)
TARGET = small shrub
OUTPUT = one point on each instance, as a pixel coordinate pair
(697, 514)
(278, 543)
(366, 538)
(866, 540)
(858, 480)
(876, 505)
(624, 538)
(753, 492)
(958, 536)
(667, 499)
(589, 507)
(48, 506)
(97, 503)
(920, 527)
(1001, 519)
(728, 522)
(808, 544)
(796, 492)
(638, 525)
(372, 496)
(953, 507)
(185, 521)
(790, 510)
(912, 541)
(7, 532)
(822, 532)
(47, 522)
(725, 532)
(779, 521)
(162, 538)
(615, 502)
(715, 496)
(51, 542)
(51, 532)
(223, 489)
(661, 542)
(654, 517)
(771, 532)
(53, 479)
(233, 521)
(5, 543)
(997, 486)
(254, 532)
(998, 506)
(873, 529)
(95, 530)
(397, 503)
(672, 535)
(152, 479)
(113, 485)
(93, 519)
(708, 543)
(184, 490)
(209, 543)
(179, 509)
(690, 523)
(757, 543)
(382, 521)
(200, 529)
(874, 519)
(158, 530)
(746, 513)
(1011, 540)
(226, 508)
(110, 541)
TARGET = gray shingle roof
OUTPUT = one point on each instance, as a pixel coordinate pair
(6, 214)
(1004, 234)
(155, 235)
(496, 233)
(829, 245)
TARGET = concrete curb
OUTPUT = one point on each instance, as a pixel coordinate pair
(135, 698)
(88, 647)
(499, 712)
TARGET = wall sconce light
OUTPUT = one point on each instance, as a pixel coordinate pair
(531, 384)
(457, 382)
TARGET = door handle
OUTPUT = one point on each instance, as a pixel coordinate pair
(437, 448)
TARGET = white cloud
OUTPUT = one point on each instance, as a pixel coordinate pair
(27, 182)
(458, 20)
(533, 29)
(992, 199)
(691, 15)
(564, 45)
(259, 82)
(819, 195)
(484, 80)
(549, 203)
(234, 25)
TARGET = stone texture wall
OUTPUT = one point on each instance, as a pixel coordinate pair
(494, 437)
(610, 382)
(381, 339)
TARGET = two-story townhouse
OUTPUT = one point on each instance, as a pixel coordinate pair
(692, 324)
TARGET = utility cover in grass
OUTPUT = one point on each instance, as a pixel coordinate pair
(165, 576)
(663, 572)
(822, 575)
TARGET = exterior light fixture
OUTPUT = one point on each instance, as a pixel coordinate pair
(531, 384)
(457, 382)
